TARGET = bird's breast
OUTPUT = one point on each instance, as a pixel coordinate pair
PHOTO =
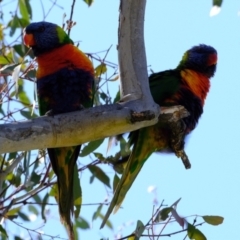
(64, 57)
(196, 82)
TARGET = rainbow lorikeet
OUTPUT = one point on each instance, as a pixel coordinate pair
(186, 85)
(64, 84)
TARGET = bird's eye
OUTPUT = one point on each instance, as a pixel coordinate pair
(41, 29)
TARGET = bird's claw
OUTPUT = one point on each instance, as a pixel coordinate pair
(177, 142)
(49, 113)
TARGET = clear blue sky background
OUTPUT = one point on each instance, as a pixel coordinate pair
(211, 187)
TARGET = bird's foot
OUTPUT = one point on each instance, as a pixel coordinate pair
(184, 158)
(49, 113)
(177, 141)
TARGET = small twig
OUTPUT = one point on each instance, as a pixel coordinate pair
(153, 215)
(160, 235)
(43, 10)
(46, 174)
(103, 61)
(54, 3)
(28, 195)
(98, 58)
(36, 231)
(54, 204)
(90, 164)
(71, 16)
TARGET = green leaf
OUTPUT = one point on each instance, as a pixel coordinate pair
(124, 146)
(23, 9)
(82, 223)
(20, 49)
(25, 101)
(216, 8)
(1, 32)
(1, 110)
(14, 179)
(4, 60)
(90, 147)
(23, 22)
(13, 212)
(217, 3)
(213, 220)
(99, 156)
(12, 155)
(119, 162)
(35, 178)
(100, 69)
(37, 199)
(29, 9)
(108, 223)
(114, 79)
(103, 96)
(194, 233)
(77, 193)
(13, 24)
(139, 230)
(27, 114)
(54, 191)
(3, 231)
(88, 2)
(23, 216)
(99, 174)
(44, 204)
(97, 212)
(33, 209)
(117, 97)
(17, 238)
(31, 74)
(163, 214)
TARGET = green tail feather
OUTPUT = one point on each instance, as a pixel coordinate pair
(141, 152)
(63, 162)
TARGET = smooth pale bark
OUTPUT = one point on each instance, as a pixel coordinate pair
(77, 127)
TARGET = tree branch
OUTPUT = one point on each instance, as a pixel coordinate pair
(131, 50)
(78, 127)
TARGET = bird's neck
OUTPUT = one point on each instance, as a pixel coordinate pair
(198, 83)
(66, 56)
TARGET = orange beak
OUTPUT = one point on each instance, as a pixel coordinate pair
(212, 60)
(28, 40)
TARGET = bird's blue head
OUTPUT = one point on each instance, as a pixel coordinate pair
(201, 58)
(42, 37)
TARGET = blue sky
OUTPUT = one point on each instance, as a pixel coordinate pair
(211, 187)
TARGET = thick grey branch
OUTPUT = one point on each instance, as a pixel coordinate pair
(78, 127)
(132, 56)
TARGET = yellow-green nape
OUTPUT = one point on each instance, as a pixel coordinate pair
(62, 36)
(185, 56)
(184, 59)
